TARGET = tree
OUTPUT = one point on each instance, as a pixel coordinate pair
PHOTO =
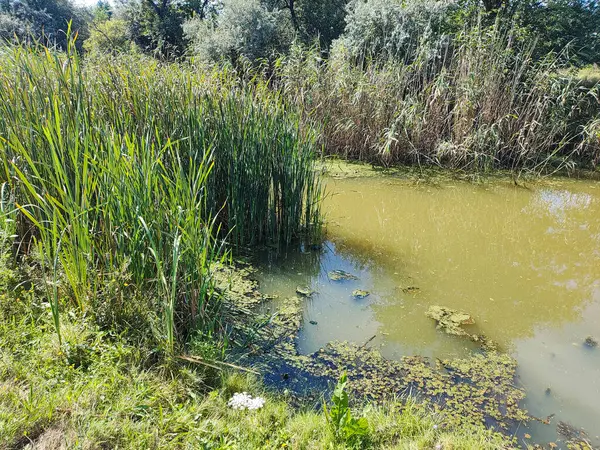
(46, 20)
(554, 25)
(243, 28)
(391, 29)
(560, 24)
(12, 28)
(102, 11)
(156, 26)
(323, 19)
(109, 37)
(314, 19)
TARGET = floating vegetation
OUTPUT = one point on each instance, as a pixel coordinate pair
(304, 291)
(339, 168)
(474, 391)
(341, 275)
(576, 439)
(449, 320)
(411, 290)
(484, 342)
(590, 342)
(360, 294)
(235, 283)
(452, 322)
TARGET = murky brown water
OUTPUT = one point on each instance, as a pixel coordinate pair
(525, 263)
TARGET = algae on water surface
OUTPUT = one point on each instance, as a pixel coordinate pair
(449, 320)
(474, 391)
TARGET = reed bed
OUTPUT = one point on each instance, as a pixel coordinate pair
(130, 179)
(477, 101)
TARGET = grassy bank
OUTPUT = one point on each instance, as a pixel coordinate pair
(99, 389)
(125, 183)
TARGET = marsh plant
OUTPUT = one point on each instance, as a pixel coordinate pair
(131, 179)
(476, 100)
(344, 426)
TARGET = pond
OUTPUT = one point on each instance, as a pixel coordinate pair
(524, 262)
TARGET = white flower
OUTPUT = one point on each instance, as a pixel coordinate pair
(243, 400)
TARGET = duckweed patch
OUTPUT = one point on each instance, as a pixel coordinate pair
(411, 290)
(451, 322)
(472, 392)
(341, 275)
(479, 390)
(360, 294)
(575, 438)
(304, 291)
(236, 285)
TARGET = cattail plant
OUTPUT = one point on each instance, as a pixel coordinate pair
(126, 164)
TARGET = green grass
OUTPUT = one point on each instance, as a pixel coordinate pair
(124, 183)
(589, 75)
(99, 390)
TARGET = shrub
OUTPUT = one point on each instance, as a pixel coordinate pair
(46, 21)
(391, 29)
(244, 28)
(11, 28)
(109, 37)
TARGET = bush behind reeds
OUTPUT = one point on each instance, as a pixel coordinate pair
(478, 100)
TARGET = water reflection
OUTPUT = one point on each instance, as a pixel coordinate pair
(558, 203)
(335, 314)
(472, 248)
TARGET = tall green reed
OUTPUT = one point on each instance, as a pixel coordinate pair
(131, 165)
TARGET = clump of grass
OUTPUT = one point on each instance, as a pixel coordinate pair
(590, 146)
(131, 178)
(478, 102)
(589, 75)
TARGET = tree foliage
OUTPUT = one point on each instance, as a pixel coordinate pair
(43, 20)
(256, 29)
(109, 37)
(12, 28)
(156, 26)
(391, 29)
(314, 19)
(243, 28)
(559, 25)
(570, 27)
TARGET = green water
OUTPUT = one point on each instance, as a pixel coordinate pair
(524, 262)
